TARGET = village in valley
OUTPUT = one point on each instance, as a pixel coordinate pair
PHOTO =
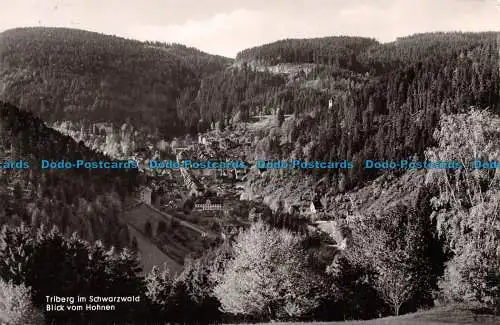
(179, 212)
(182, 211)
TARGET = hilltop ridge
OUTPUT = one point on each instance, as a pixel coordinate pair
(70, 74)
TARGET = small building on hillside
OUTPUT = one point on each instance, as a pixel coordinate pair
(194, 187)
(316, 206)
(230, 228)
(202, 140)
(145, 194)
(297, 208)
(230, 173)
(241, 173)
(209, 204)
(192, 184)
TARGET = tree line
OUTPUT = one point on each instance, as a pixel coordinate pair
(87, 201)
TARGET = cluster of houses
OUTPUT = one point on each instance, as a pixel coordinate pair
(220, 143)
(230, 228)
(164, 193)
(193, 185)
(206, 153)
(313, 209)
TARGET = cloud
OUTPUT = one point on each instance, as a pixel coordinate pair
(385, 20)
(222, 33)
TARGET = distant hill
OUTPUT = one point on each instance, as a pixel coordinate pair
(341, 51)
(360, 53)
(202, 63)
(82, 200)
(422, 47)
(69, 74)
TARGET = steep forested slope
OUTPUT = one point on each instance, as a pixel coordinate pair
(421, 47)
(203, 64)
(67, 74)
(83, 200)
(232, 94)
(340, 51)
(389, 112)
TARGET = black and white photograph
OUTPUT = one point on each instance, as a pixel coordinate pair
(300, 162)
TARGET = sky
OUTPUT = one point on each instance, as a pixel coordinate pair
(227, 26)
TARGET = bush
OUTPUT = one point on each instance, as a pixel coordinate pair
(16, 306)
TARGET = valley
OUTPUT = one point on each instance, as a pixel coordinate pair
(330, 240)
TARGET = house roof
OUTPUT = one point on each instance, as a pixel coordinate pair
(317, 204)
(212, 200)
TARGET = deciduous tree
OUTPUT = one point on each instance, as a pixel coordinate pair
(268, 276)
(16, 307)
(394, 247)
(467, 209)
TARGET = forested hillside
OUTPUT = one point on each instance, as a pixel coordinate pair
(230, 95)
(339, 51)
(83, 200)
(422, 47)
(68, 74)
(203, 64)
(388, 109)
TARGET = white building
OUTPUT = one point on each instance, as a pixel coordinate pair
(145, 195)
(316, 206)
(202, 140)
